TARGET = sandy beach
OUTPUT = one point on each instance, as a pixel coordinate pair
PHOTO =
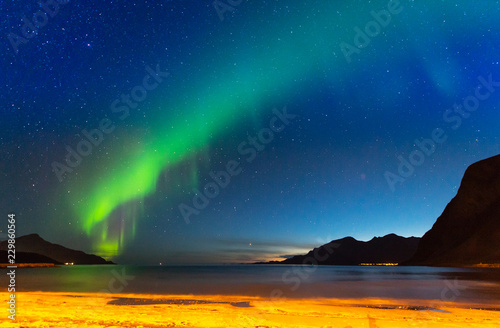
(44, 309)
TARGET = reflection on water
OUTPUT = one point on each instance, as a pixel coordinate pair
(445, 284)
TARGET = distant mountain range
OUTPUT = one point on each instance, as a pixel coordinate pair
(468, 230)
(349, 251)
(34, 249)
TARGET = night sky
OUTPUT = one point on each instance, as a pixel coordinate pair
(119, 117)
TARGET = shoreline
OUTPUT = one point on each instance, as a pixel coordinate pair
(63, 309)
(29, 265)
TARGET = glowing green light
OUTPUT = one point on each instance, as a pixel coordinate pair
(239, 95)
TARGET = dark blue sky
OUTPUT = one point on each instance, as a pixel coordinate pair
(182, 91)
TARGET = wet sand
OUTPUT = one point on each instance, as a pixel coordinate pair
(47, 309)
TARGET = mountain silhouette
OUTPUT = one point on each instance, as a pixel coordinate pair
(349, 251)
(35, 244)
(468, 230)
(25, 257)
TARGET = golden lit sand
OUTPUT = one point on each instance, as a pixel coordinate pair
(41, 309)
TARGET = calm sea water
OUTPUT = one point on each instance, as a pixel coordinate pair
(445, 284)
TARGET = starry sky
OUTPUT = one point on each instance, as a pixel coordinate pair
(238, 131)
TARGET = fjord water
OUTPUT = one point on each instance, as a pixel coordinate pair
(460, 285)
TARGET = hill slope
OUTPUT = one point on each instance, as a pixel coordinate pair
(35, 244)
(24, 257)
(468, 230)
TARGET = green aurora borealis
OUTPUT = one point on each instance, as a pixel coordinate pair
(282, 60)
(321, 178)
